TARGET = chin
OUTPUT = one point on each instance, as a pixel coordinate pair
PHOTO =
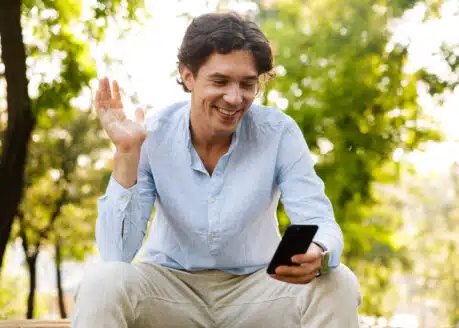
(225, 132)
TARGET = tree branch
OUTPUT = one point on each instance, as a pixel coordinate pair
(57, 210)
(59, 203)
(22, 233)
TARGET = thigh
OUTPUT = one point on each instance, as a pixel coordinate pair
(259, 301)
(329, 301)
(119, 294)
(166, 301)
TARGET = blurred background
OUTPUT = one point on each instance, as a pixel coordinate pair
(373, 84)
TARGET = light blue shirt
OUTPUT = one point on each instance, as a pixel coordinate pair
(227, 220)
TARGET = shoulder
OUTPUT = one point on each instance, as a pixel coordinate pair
(162, 124)
(166, 117)
(269, 119)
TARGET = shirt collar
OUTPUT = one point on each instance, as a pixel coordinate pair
(186, 123)
(234, 139)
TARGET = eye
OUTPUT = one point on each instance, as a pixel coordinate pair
(219, 82)
(248, 85)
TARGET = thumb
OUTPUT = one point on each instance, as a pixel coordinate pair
(139, 115)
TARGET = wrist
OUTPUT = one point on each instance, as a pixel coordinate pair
(325, 258)
(125, 167)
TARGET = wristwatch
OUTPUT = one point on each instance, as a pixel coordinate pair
(325, 259)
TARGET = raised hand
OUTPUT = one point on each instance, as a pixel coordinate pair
(126, 134)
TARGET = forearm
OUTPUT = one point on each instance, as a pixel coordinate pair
(330, 236)
(118, 237)
(314, 207)
(303, 193)
(125, 166)
(115, 246)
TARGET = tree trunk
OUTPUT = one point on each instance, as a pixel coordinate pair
(31, 260)
(21, 120)
(32, 265)
(60, 292)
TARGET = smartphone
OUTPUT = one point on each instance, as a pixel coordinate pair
(296, 240)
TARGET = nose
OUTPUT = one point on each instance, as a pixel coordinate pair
(233, 96)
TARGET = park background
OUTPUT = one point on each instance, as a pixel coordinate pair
(372, 84)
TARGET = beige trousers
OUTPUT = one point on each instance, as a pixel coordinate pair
(145, 295)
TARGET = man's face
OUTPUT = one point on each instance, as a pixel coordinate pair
(222, 91)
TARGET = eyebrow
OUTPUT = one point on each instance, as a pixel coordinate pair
(223, 76)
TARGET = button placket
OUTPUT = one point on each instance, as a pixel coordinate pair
(211, 216)
(212, 211)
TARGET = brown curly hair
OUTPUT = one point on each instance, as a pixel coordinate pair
(223, 33)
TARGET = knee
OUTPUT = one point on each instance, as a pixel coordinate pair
(343, 279)
(104, 282)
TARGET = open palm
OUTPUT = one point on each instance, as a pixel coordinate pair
(126, 134)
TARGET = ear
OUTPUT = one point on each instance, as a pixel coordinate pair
(187, 77)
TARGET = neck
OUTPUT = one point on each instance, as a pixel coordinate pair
(205, 138)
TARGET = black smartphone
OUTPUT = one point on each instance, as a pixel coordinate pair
(296, 240)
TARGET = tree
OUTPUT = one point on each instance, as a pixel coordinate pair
(62, 181)
(54, 25)
(432, 211)
(343, 81)
(10, 299)
(20, 118)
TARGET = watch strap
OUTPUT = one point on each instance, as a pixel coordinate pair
(325, 259)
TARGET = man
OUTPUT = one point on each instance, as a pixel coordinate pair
(215, 168)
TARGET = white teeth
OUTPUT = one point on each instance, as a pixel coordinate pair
(221, 110)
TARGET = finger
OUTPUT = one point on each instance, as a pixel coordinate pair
(102, 89)
(306, 258)
(107, 93)
(100, 105)
(139, 115)
(295, 280)
(104, 96)
(101, 84)
(97, 100)
(116, 95)
(311, 267)
(292, 271)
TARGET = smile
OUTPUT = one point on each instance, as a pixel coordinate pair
(226, 112)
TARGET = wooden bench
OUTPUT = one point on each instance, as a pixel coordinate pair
(35, 323)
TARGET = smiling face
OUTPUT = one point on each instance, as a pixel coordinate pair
(222, 92)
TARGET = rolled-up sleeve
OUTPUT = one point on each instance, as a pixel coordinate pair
(123, 214)
(302, 191)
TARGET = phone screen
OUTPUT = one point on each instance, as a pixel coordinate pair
(296, 240)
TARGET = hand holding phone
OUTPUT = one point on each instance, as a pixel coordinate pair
(296, 240)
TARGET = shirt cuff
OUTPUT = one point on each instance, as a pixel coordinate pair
(121, 195)
(327, 245)
(321, 245)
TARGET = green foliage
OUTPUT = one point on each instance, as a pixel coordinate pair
(342, 80)
(65, 174)
(58, 36)
(64, 177)
(433, 214)
(63, 31)
(12, 297)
